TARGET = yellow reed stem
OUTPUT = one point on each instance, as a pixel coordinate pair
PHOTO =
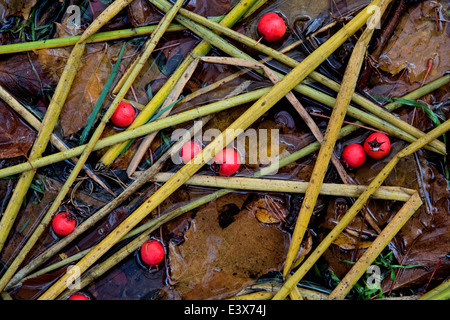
(201, 49)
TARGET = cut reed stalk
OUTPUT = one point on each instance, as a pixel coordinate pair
(360, 202)
(374, 250)
(95, 38)
(277, 92)
(138, 132)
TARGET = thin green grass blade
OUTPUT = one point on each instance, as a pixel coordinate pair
(101, 98)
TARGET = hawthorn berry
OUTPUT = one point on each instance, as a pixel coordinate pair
(124, 115)
(353, 155)
(64, 223)
(78, 296)
(377, 145)
(226, 162)
(271, 27)
(189, 151)
(152, 253)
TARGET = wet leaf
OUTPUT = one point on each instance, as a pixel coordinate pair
(268, 209)
(22, 76)
(347, 242)
(141, 13)
(16, 138)
(242, 251)
(17, 7)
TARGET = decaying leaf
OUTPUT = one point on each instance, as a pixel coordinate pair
(239, 253)
(268, 209)
(418, 50)
(16, 138)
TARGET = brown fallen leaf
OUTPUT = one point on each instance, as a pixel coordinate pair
(16, 138)
(268, 209)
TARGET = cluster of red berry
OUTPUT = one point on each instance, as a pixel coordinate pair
(376, 146)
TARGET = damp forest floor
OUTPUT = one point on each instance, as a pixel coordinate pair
(272, 230)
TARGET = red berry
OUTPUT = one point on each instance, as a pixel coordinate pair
(64, 223)
(353, 155)
(78, 296)
(377, 145)
(271, 26)
(226, 162)
(152, 253)
(124, 115)
(189, 151)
